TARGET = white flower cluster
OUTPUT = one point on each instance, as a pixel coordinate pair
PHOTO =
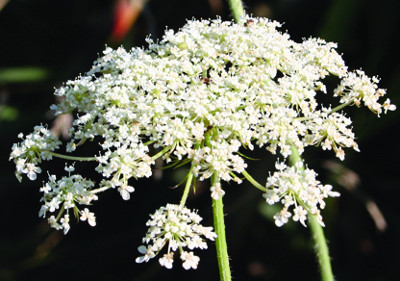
(358, 88)
(30, 152)
(296, 187)
(198, 96)
(333, 132)
(122, 164)
(235, 84)
(178, 227)
(63, 195)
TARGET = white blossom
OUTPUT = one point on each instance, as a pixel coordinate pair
(31, 151)
(167, 260)
(296, 187)
(189, 260)
(125, 191)
(176, 227)
(65, 223)
(89, 216)
(64, 195)
(148, 253)
(216, 191)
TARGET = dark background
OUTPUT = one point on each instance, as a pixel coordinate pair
(44, 43)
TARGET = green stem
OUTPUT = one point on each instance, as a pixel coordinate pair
(161, 153)
(237, 9)
(101, 189)
(343, 105)
(187, 188)
(149, 142)
(253, 181)
(220, 242)
(317, 232)
(73, 158)
(295, 156)
(60, 213)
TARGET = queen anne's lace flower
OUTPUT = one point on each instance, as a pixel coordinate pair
(177, 228)
(198, 96)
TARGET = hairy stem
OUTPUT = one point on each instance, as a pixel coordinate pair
(317, 232)
(321, 249)
(219, 225)
(237, 9)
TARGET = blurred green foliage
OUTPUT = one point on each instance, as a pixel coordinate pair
(23, 75)
(8, 113)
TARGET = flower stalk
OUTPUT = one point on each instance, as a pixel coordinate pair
(188, 184)
(237, 9)
(253, 181)
(221, 245)
(321, 248)
(72, 158)
(317, 232)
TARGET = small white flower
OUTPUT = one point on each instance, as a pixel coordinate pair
(89, 216)
(31, 171)
(125, 191)
(70, 168)
(340, 153)
(46, 188)
(53, 223)
(300, 214)
(208, 233)
(54, 204)
(216, 191)
(42, 211)
(280, 166)
(65, 223)
(326, 190)
(189, 260)
(282, 217)
(20, 165)
(167, 260)
(388, 106)
(148, 254)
